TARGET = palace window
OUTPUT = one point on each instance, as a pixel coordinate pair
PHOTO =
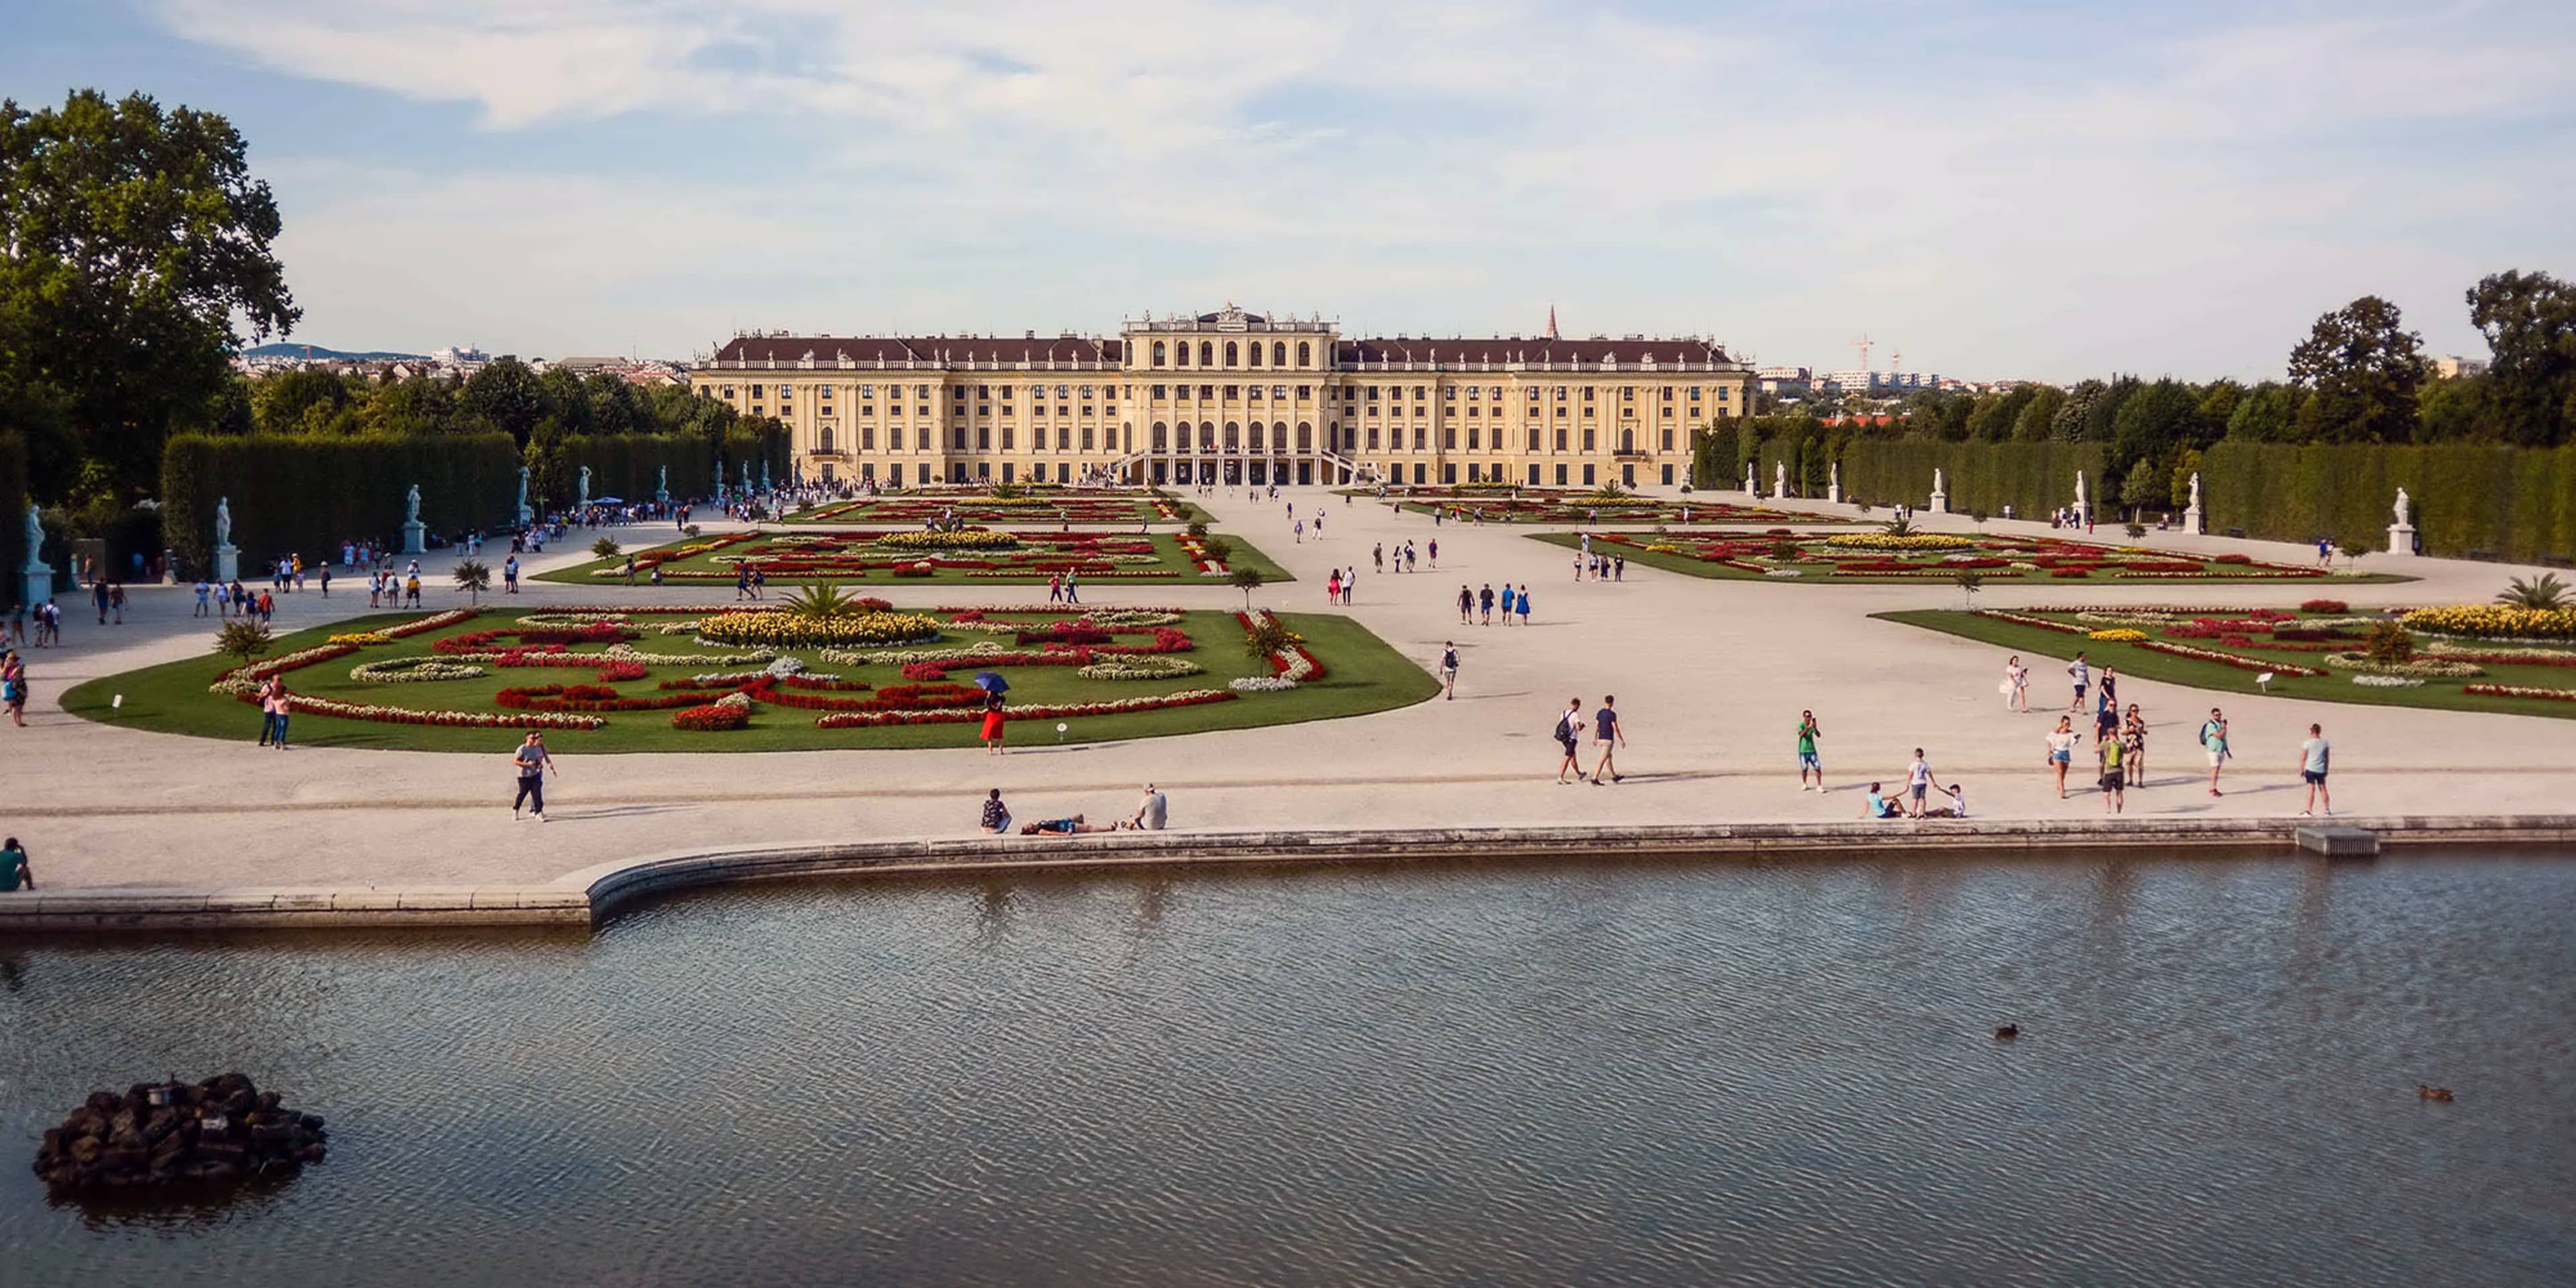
(894, 440)
(1303, 357)
(1587, 438)
(1471, 436)
(1256, 353)
(1158, 392)
(1231, 359)
(1207, 354)
(1668, 438)
(1560, 438)
(1160, 442)
(1418, 438)
(1533, 442)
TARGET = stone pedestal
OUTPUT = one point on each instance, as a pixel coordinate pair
(2192, 522)
(1940, 504)
(38, 583)
(415, 538)
(227, 563)
(2401, 538)
(1834, 491)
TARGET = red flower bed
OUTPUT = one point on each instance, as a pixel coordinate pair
(585, 697)
(924, 671)
(2325, 606)
(873, 719)
(714, 717)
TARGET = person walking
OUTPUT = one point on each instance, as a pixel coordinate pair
(2061, 751)
(1808, 731)
(1378, 555)
(2133, 736)
(203, 590)
(275, 702)
(1507, 601)
(2314, 754)
(510, 575)
(532, 761)
(1609, 735)
(1918, 782)
(2213, 739)
(1435, 554)
(1449, 668)
(2016, 685)
(1618, 566)
(1569, 734)
(1333, 587)
(993, 722)
(1485, 604)
(13, 687)
(2081, 672)
(1521, 601)
(1466, 606)
(2107, 751)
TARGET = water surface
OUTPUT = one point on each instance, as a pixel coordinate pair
(1646, 1074)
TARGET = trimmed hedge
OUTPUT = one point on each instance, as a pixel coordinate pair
(13, 515)
(2518, 502)
(628, 466)
(308, 495)
(2033, 478)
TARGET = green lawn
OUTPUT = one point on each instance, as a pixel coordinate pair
(1822, 575)
(2334, 686)
(900, 511)
(792, 558)
(1362, 675)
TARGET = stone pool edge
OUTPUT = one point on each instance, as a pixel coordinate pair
(590, 895)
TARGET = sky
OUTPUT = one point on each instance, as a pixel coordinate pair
(1989, 188)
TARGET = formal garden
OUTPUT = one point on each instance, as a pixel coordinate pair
(822, 670)
(2467, 657)
(1011, 506)
(1895, 554)
(1502, 503)
(967, 555)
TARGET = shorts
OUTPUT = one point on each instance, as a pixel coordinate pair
(2114, 781)
(2079, 691)
(1918, 790)
(1568, 744)
(1807, 760)
(2215, 756)
(2315, 777)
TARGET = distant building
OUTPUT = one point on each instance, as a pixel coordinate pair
(2451, 366)
(1785, 382)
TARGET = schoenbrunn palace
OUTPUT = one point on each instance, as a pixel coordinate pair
(1233, 397)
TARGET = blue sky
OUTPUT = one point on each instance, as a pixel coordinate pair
(1994, 189)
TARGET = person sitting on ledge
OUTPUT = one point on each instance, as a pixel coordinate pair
(15, 873)
(1958, 806)
(1879, 806)
(1063, 827)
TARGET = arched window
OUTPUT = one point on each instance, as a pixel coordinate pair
(1257, 436)
(1304, 355)
(1305, 436)
(1207, 354)
(1278, 353)
(1233, 436)
(1158, 353)
(1256, 353)
(1181, 358)
(1160, 443)
(1230, 357)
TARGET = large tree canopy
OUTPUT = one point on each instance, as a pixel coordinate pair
(2363, 366)
(135, 242)
(2530, 324)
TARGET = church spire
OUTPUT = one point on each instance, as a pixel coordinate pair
(1551, 320)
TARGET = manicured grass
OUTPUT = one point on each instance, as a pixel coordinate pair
(1082, 508)
(1362, 675)
(1626, 515)
(2334, 686)
(699, 573)
(1821, 575)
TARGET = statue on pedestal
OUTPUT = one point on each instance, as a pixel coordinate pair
(1940, 492)
(223, 522)
(36, 534)
(526, 515)
(1780, 479)
(2405, 509)
(582, 501)
(415, 533)
(411, 505)
(1750, 489)
(662, 486)
(1834, 482)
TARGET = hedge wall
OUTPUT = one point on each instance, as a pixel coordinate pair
(628, 466)
(308, 495)
(2517, 502)
(2033, 478)
(13, 515)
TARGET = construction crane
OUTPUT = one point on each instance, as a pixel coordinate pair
(1862, 344)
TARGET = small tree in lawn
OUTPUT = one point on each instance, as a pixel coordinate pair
(244, 639)
(606, 548)
(1246, 580)
(1978, 517)
(1266, 636)
(2137, 531)
(1969, 581)
(1218, 549)
(474, 577)
(2354, 547)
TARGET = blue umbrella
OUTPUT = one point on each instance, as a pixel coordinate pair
(992, 682)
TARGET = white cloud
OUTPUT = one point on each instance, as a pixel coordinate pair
(2019, 208)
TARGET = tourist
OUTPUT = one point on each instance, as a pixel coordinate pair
(2133, 733)
(1064, 827)
(997, 816)
(1579, 561)
(2106, 717)
(1918, 781)
(1449, 666)
(2081, 673)
(1378, 554)
(510, 574)
(326, 581)
(13, 687)
(742, 581)
(2114, 778)
(275, 703)
(1299, 527)
(2061, 751)
(2213, 739)
(15, 872)
(532, 761)
(1808, 730)
(993, 722)
(1609, 736)
(1958, 806)
(1507, 599)
(1151, 811)
(1485, 603)
(760, 583)
(1072, 585)
(1618, 566)
(1435, 554)
(2313, 757)
(1466, 606)
(98, 596)
(411, 591)
(1877, 805)
(1569, 733)
(203, 590)
(1521, 601)
(1333, 587)
(2016, 685)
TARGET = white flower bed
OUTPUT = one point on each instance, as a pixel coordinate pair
(1261, 684)
(629, 653)
(1139, 667)
(2421, 667)
(2387, 682)
(415, 670)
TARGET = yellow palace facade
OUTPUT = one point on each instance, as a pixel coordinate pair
(1237, 398)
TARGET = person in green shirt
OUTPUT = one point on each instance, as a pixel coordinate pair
(1807, 731)
(14, 872)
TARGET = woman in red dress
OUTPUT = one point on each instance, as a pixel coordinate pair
(993, 723)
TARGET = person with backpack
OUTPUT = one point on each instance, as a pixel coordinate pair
(2213, 739)
(1569, 735)
(1449, 669)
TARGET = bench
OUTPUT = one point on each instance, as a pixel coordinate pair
(2238, 533)
(2480, 552)
(2558, 561)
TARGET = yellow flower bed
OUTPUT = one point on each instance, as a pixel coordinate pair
(361, 639)
(1886, 541)
(971, 539)
(2118, 635)
(2495, 621)
(792, 630)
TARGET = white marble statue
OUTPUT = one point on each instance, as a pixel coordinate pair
(2079, 489)
(1938, 485)
(584, 501)
(1780, 478)
(1750, 488)
(36, 532)
(411, 505)
(2195, 489)
(2405, 509)
(223, 522)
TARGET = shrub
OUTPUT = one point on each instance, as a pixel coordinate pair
(2388, 644)
(606, 548)
(2325, 606)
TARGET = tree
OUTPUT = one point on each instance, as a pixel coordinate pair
(133, 241)
(2038, 415)
(2544, 592)
(473, 576)
(1267, 635)
(243, 638)
(2529, 320)
(1246, 580)
(2075, 411)
(2362, 367)
(1969, 581)
(282, 403)
(505, 393)
(2459, 410)
(605, 548)
(2268, 413)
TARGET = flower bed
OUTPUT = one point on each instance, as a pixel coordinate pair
(2495, 622)
(784, 629)
(2519, 691)
(733, 711)
(1056, 711)
(1883, 556)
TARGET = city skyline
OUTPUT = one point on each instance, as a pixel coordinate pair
(2000, 192)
